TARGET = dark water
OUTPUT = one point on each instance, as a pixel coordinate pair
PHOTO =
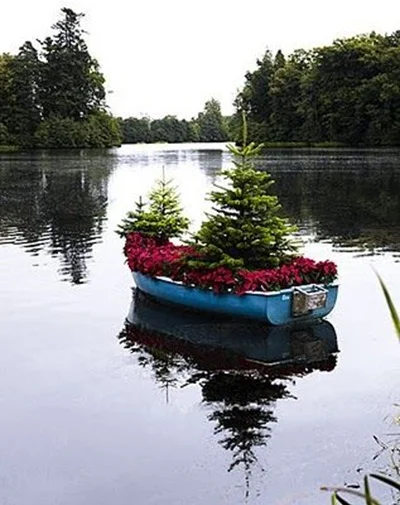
(109, 398)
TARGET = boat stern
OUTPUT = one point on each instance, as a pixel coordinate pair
(300, 304)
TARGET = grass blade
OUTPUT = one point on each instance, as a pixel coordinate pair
(386, 480)
(340, 500)
(352, 492)
(392, 308)
(368, 497)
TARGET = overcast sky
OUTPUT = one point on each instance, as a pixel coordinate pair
(169, 56)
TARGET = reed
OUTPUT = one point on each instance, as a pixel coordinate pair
(365, 495)
(392, 309)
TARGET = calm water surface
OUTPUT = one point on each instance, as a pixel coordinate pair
(107, 398)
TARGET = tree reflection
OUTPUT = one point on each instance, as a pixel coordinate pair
(239, 387)
(211, 162)
(353, 208)
(55, 204)
(243, 412)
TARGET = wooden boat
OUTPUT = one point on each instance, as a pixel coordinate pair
(289, 306)
(223, 343)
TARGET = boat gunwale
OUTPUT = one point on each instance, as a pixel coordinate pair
(257, 293)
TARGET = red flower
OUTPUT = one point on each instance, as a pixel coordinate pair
(146, 256)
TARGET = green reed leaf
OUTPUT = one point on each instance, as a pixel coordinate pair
(344, 490)
(368, 497)
(389, 301)
(340, 499)
(386, 480)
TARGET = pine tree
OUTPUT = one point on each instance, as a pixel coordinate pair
(245, 229)
(71, 84)
(160, 218)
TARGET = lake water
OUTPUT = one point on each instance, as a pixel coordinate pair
(96, 411)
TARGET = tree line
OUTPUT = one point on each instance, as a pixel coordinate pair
(208, 126)
(54, 96)
(346, 93)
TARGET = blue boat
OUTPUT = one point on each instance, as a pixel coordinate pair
(290, 306)
(224, 343)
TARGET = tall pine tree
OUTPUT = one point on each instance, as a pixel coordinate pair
(71, 83)
(245, 229)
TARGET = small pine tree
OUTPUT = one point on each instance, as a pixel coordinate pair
(245, 229)
(160, 218)
(134, 220)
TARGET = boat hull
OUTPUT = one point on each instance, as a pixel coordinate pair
(217, 343)
(275, 307)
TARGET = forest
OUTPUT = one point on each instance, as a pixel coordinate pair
(54, 96)
(347, 93)
(344, 94)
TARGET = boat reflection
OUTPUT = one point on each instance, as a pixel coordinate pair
(223, 343)
(242, 368)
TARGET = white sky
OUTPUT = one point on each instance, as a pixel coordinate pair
(168, 57)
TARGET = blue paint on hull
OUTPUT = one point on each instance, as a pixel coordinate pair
(202, 335)
(274, 307)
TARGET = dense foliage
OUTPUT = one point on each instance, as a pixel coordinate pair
(145, 255)
(55, 96)
(245, 228)
(345, 93)
(244, 245)
(160, 218)
(208, 126)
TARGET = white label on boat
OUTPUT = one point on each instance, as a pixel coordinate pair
(285, 297)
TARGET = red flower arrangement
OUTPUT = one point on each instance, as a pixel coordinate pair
(147, 256)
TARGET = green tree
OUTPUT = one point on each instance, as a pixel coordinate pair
(287, 116)
(161, 217)
(26, 115)
(279, 60)
(169, 129)
(6, 92)
(100, 130)
(211, 124)
(255, 98)
(55, 98)
(136, 130)
(355, 90)
(346, 93)
(193, 131)
(71, 83)
(245, 229)
(338, 72)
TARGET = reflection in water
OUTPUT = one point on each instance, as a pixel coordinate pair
(242, 368)
(55, 203)
(209, 158)
(211, 162)
(353, 210)
(349, 198)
